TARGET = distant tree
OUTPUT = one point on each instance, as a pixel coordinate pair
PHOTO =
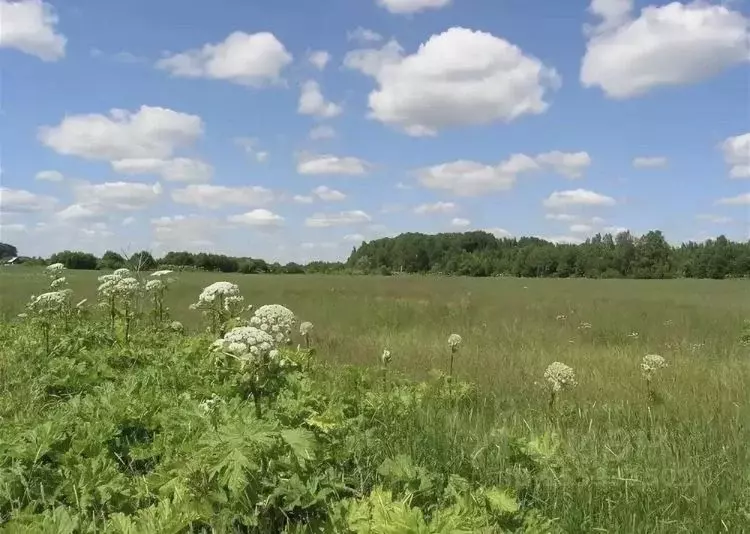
(141, 261)
(111, 260)
(7, 251)
(75, 259)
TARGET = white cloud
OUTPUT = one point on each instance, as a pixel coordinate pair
(615, 230)
(95, 201)
(363, 35)
(29, 26)
(469, 178)
(499, 233)
(581, 229)
(649, 162)
(673, 44)
(322, 132)
(404, 7)
(354, 238)
(437, 207)
(150, 132)
(459, 77)
(217, 196)
(312, 102)
(562, 217)
(563, 240)
(739, 200)
(303, 199)
(716, 219)
(737, 155)
(127, 221)
(172, 170)
(49, 176)
(328, 164)
(460, 223)
(180, 232)
(258, 217)
(570, 164)
(261, 156)
(22, 201)
(577, 197)
(329, 195)
(403, 186)
(344, 218)
(250, 146)
(246, 59)
(319, 58)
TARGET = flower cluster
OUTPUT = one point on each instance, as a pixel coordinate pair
(225, 293)
(386, 357)
(276, 320)
(119, 283)
(650, 364)
(246, 342)
(55, 272)
(454, 340)
(305, 328)
(50, 303)
(560, 377)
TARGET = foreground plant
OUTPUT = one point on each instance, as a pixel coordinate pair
(157, 289)
(559, 377)
(219, 302)
(276, 320)
(650, 367)
(46, 308)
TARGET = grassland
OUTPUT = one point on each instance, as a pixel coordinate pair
(681, 464)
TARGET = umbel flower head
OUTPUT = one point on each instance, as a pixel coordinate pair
(275, 319)
(159, 274)
(305, 328)
(247, 342)
(225, 292)
(386, 357)
(454, 341)
(119, 283)
(54, 269)
(560, 377)
(50, 303)
(650, 364)
(155, 286)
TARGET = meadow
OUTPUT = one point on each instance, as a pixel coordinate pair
(606, 457)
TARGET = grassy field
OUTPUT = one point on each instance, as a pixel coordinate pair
(681, 464)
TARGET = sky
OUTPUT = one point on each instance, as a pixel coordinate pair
(293, 130)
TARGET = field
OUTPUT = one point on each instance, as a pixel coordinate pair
(674, 460)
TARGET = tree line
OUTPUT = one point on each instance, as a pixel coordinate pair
(468, 254)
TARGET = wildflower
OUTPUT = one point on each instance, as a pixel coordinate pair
(561, 317)
(560, 377)
(246, 342)
(385, 358)
(454, 340)
(159, 274)
(633, 335)
(122, 272)
(52, 302)
(155, 286)
(305, 328)
(23, 315)
(208, 405)
(650, 364)
(57, 283)
(176, 326)
(127, 286)
(584, 326)
(276, 320)
(55, 268)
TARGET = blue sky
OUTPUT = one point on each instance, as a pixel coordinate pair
(293, 130)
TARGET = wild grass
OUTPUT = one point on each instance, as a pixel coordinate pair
(626, 464)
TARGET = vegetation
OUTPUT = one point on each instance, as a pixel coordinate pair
(476, 254)
(152, 426)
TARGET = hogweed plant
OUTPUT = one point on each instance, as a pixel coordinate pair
(276, 320)
(219, 302)
(305, 329)
(650, 367)
(46, 308)
(156, 288)
(454, 342)
(558, 378)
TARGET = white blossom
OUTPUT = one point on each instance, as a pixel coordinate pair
(122, 272)
(51, 302)
(159, 274)
(55, 268)
(155, 286)
(176, 326)
(58, 283)
(225, 292)
(650, 364)
(560, 376)
(276, 320)
(385, 358)
(305, 328)
(454, 340)
(246, 342)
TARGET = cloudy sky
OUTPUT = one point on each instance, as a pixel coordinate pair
(292, 130)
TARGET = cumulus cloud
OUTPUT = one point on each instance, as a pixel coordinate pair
(150, 132)
(95, 201)
(343, 218)
(22, 201)
(459, 222)
(354, 238)
(186, 232)
(470, 178)
(30, 26)
(715, 219)
(363, 35)
(737, 155)
(577, 197)
(459, 77)
(437, 207)
(581, 229)
(649, 162)
(318, 58)
(405, 7)
(673, 44)
(563, 240)
(327, 194)
(49, 176)
(499, 233)
(303, 199)
(258, 217)
(246, 59)
(312, 102)
(315, 164)
(171, 170)
(251, 146)
(217, 196)
(322, 132)
(740, 200)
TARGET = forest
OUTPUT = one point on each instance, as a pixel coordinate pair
(474, 253)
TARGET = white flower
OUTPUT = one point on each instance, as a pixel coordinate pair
(176, 326)
(55, 268)
(208, 405)
(225, 292)
(561, 317)
(57, 283)
(277, 319)
(159, 274)
(305, 328)
(454, 340)
(155, 286)
(122, 273)
(245, 342)
(52, 302)
(127, 286)
(385, 358)
(650, 364)
(560, 376)
(584, 326)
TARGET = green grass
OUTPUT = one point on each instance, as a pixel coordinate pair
(680, 465)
